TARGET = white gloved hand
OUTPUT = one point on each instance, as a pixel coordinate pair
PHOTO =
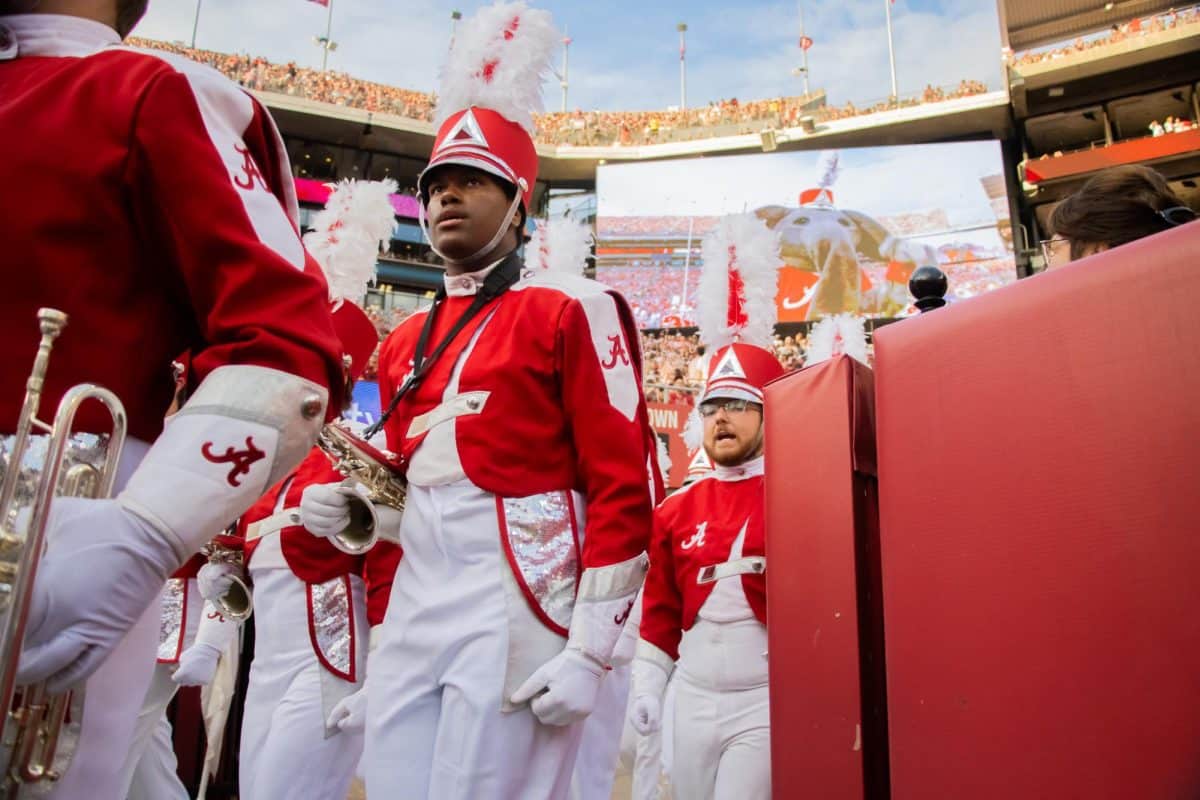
(564, 689)
(214, 579)
(648, 685)
(350, 713)
(103, 566)
(197, 665)
(324, 509)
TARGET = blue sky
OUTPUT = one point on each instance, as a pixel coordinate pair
(625, 53)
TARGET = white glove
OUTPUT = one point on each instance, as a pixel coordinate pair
(896, 249)
(103, 566)
(198, 663)
(350, 713)
(649, 683)
(214, 580)
(324, 509)
(564, 689)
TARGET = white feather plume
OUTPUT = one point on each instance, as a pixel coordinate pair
(561, 244)
(744, 243)
(347, 235)
(827, 169)
(835, 336)
(500, 58)
(664, 460)
(693, 430)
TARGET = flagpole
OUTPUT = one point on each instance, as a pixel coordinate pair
(803, 49)
(682, 28)
(196, 23)
(329, 33)
(887, 6)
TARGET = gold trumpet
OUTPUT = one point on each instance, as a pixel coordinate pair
(237, 604)
(40, 730)
(379, 471)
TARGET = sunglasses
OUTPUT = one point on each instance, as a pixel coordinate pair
(732, 406)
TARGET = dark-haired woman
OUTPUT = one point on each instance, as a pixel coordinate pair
(1118, 206)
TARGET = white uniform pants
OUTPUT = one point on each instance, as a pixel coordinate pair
(722, 722)
(284, 752)
(149, 772)
(599, 750)
(644, 758)
(434, 725)
(114, 692)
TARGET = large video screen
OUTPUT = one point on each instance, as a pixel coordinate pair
(854, 224)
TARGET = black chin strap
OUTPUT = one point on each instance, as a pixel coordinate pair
(498, 281)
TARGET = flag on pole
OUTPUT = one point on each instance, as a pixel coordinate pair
(326, 2)
(805, 42)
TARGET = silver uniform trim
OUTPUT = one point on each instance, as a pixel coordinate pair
(545, 551)
(171, 625)
(333, 623)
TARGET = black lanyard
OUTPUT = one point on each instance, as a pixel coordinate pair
(506, 273)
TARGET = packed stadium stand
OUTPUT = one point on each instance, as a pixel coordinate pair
(1087, 85)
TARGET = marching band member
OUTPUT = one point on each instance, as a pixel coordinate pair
(299, 736)
(157, 201)
(704, 608)
(515, 406)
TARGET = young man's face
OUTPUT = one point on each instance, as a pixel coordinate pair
(733, 433)
(466, 208)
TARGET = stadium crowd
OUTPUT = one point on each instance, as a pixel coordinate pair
(603, 128)
(1138, 26)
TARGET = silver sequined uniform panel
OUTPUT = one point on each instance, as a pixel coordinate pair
(333, 622)
(170, 630)
(545, 550)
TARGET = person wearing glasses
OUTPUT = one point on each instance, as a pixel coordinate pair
(704, 606)
(1118, 206)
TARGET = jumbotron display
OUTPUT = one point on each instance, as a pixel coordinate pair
(854, 224)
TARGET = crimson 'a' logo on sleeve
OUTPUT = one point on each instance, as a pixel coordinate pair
(241, 460)
(250, 172)
(616, 354)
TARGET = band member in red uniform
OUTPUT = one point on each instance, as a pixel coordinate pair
(704, 608)
(302, 728)
(157, 210)
(516, 408)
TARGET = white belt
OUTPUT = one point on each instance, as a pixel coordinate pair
(457, 406)
(273, 524)
(749, 565)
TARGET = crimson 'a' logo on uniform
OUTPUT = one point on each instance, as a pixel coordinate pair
(250, 172)
(616, 354)
(697, 538)
(619, 619)
(241, 460)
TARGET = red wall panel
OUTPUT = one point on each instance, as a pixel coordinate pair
(1039, 480)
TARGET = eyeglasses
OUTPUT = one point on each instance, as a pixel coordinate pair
(732, 406)
(1177, 215)
(1052, 250)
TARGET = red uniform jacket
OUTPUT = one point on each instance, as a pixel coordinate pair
(150, 199)
(560, 359)
(695, 528)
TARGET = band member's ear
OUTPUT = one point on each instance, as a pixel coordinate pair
(771, 214)
(872, 234)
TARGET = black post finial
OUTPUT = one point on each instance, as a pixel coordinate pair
(928, 285)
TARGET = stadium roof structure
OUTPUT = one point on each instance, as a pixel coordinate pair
(974, 116)
(1030, 23)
